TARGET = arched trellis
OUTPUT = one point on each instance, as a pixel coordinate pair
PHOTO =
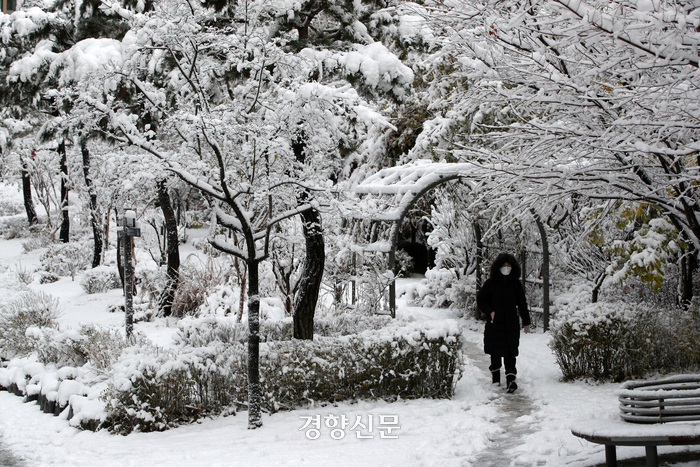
(406, 185)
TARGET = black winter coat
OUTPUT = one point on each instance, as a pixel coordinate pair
(505, 296)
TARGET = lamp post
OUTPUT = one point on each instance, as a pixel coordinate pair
(126, 231)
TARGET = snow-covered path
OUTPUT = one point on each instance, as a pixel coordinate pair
(7, 459)
(513, 411)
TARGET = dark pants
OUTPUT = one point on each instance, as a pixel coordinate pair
(509, 362)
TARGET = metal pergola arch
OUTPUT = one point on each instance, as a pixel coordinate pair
(407, 184)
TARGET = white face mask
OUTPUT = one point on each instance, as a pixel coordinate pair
(505, 270)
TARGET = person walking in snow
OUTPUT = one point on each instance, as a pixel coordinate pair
(501, 299)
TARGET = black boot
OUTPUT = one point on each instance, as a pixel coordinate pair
(511, 386)
(496, 377)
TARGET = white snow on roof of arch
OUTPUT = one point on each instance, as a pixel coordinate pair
(403, 185)
(414, 177)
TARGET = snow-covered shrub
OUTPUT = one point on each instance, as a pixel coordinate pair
(99, 347)
(14, 227)
(200, 332)
(196, 283)
(24, 275)
(418, 360)
(47, 277)
(153, 389)
(100, 280)
(150, 280)
(33, 309)
(35, 242)
(442, 288)
(10, 207)
(620, 341)
(346, 324)
(67, 259)
(634, 290)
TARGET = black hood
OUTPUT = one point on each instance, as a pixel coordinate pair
(500, 260)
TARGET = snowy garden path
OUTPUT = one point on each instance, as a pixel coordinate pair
(7, 459)
(511, 408)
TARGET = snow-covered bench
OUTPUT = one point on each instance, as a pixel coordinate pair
(665, 412)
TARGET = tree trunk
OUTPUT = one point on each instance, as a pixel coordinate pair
(27, 191)
(596, 289)
(94, 218)
(312, 272)
(311, 275)
(64, 234)
(689, 265)
(254, 392)
(172, 249)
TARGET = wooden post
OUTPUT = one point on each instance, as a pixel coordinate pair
(126, 232)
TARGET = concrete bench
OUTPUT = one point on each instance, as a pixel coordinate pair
(665, 412)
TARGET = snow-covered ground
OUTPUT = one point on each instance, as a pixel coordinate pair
(480, 426)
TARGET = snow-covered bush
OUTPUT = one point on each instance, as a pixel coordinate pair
(47, 277)
(14, 227)
(196, 283)
(442, 288)
(97, 346)
(67, 259)
(100, 280)
(346, 324)
(10, 207)
(33, 309)
(200, 332)
(35, 242)
(620, 341)
(153, 389)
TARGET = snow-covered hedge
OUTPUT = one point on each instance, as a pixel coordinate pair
(199, 332)
(154, 389)
(620, 341)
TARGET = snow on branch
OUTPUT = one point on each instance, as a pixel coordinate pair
(683, 50)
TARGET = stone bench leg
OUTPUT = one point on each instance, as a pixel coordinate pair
(610, 455)
(652, 456)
